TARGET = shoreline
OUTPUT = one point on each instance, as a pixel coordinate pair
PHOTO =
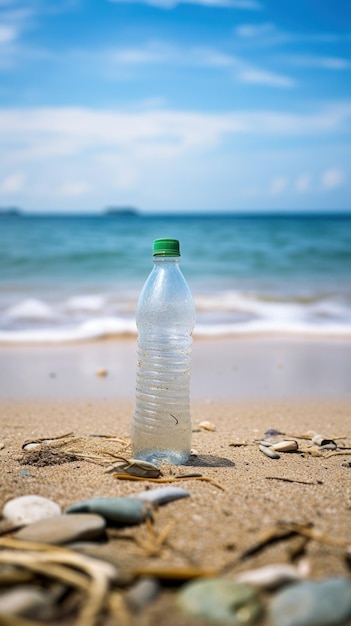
(222, 369)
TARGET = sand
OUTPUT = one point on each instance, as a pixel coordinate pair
(243, 387)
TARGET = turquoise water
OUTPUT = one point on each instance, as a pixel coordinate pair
(65, 278)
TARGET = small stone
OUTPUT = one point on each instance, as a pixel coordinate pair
(101, 372)
(116, 510)
(269, 452)
(221, 600)
(313, 603)
(23, 601)
(31, 508)
(63, 529)
(142, 593)
(163, 495)
(2, 445)
(272, 432)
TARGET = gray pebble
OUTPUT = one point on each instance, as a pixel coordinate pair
(28, 509)
(63, 529)
(142, 593)
(115, 510)
(222, 600)
(313, 603)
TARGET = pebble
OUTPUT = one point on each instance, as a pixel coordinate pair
(2, 445)
(24, 601)
(31, 508)
(269, 452)
(63, 529)
(101, 372)
(142, 593)
(28, 447)
(313, 603)
(116, 510)
(222, 600)
(163, 495)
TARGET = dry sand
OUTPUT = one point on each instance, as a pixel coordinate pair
(262, 385)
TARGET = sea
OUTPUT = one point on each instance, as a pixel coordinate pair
(78, 277)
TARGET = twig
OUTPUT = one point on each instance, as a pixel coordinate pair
(292, 480)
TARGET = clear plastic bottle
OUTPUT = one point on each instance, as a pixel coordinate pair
(165, 316)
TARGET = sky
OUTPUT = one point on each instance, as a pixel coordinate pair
(175, 105)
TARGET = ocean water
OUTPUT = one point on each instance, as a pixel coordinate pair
(79, 277)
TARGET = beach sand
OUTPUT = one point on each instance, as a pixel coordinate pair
(243, 387)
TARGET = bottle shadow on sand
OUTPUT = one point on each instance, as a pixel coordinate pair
(209, 460)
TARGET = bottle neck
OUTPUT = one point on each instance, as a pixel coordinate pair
(159, 260)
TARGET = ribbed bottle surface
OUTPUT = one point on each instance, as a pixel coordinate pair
(161, 425)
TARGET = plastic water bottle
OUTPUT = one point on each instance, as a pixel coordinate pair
(165, 316)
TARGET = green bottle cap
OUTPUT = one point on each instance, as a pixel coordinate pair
(166, 247)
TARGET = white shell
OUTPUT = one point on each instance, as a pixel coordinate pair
(285, 446)
(271, 576)
(162, 495)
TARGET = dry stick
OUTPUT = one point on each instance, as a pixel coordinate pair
(42, 439)
(291, 480)
(169, 480)
(119, 609)
(12, 620)
(99, 572)
(317, 535)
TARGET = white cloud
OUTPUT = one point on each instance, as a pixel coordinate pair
(332, 178)
(320, 62)
(41, 133)
(278, 185)
(252, 31)
(74, 189)
(12, 183)
(303, 183)
(250, 5)
(262, 77)
(7, 34)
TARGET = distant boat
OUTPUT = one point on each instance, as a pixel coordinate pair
(126, 211)
(10, 212)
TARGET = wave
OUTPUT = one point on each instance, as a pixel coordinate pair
(87, 317)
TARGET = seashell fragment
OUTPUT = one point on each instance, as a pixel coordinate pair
(269, 452)
(270, 576)
(28, 447)
(285, 446)
(205, 425)
(320, 440)
(135, 467)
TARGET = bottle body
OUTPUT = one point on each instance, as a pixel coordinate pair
(161, 425)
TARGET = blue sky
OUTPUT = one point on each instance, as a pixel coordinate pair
(175, 105)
